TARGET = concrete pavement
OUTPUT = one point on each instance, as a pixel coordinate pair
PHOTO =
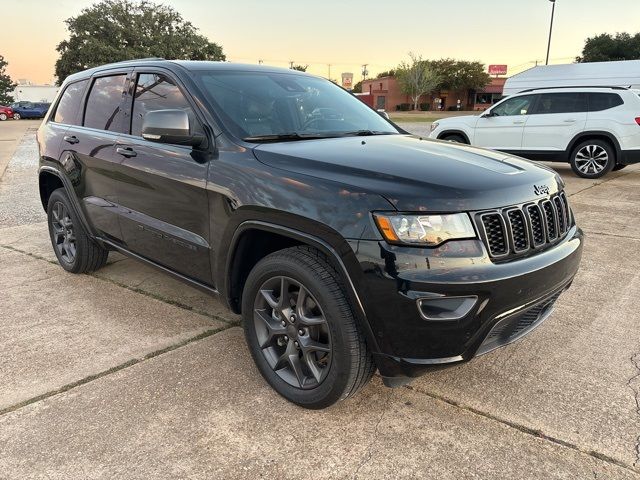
(127, 373)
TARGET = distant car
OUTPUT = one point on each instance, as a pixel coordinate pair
(29, 110)
(5, 112)
(595, 129)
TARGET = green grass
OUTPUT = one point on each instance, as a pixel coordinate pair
(413, 119)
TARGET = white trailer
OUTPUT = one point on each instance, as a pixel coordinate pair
(598, 74)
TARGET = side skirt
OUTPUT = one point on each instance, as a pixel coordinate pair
(189, 281)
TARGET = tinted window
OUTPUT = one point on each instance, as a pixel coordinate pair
(263, 103)
(603, 101)
(561, 103)
(514, 106)
(103, 105)
(69, 105)
(156, 92)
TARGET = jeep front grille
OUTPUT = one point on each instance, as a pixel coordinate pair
(520, 229)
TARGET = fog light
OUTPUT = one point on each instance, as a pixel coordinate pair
(446, 308)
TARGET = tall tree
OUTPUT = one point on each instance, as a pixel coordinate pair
(116, 30)
(6, 84)
(606, 48)
(416, 78)
(460, 74)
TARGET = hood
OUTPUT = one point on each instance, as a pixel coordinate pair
(415, 174)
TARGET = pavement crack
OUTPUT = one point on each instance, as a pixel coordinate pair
(112, 370)
(374, 437)
(135, 289)
(634, 385)
(531, 431)
(598, 183)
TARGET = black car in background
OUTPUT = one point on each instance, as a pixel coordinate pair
(346, 244)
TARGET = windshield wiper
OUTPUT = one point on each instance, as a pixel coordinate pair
(364, 133)
(284, 137)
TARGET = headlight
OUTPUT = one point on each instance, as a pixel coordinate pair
(427, 230)
(434, 125)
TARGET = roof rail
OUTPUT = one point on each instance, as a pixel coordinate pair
(147, 59)
(617, 87)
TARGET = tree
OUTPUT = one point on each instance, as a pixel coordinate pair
(387, 73)
(116, 30)
(606, 48)
(300, 68)
(6, 84)
(460, 74)
(357, 88)
(416, 78)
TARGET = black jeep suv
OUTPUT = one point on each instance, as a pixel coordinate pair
(346, 244)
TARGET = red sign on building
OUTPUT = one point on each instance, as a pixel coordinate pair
(497, 69)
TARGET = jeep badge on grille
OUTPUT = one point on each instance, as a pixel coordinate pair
(541, 189)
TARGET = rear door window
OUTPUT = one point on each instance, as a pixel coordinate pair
(604, 101)
(68, 109)
(104, 105)
(550, 103)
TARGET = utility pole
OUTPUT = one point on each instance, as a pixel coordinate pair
(365, 72)
(329, 65)
(291, 64)
(553, 11)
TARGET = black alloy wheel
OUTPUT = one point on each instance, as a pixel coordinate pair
(64, 237)
(301, 329)
(292, 332)
(76, 251)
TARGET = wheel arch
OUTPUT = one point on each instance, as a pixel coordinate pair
(50, 179)
(595, 135)
(243, 256)
(446, 133)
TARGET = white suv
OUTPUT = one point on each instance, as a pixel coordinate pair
(595, 129)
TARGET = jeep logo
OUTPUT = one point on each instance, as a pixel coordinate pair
(541, 189)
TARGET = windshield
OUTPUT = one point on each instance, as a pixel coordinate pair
(258, 106)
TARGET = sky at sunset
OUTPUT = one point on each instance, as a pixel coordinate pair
(345, 34)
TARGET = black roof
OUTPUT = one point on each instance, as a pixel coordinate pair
(191, 65)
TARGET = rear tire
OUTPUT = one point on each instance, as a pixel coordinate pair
(3, 117)
(311, 351)
(455, 138)
(75, 250)
(592, 159)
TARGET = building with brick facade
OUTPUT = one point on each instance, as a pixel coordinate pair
(384, 93)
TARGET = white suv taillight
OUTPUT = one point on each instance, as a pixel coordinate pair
(638, 120)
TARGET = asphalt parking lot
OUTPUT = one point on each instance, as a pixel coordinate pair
(128, 373)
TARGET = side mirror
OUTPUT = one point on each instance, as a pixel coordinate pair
(488, 114)
(169, 126)
(383, 113)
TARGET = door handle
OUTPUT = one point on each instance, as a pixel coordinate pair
(126, 152)
(72, 139)
(518, 122)
(570, 120)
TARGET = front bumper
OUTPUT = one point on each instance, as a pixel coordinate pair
(512, 298)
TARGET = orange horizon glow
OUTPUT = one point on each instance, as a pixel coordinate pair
(336, 36)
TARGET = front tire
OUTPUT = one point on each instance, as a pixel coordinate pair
(592, 159)
(75, 250)
(301, 329)
(3, 117)
(454, 138)
(16, 116)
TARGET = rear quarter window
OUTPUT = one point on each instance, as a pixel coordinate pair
(68, 108)
(604, 101)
